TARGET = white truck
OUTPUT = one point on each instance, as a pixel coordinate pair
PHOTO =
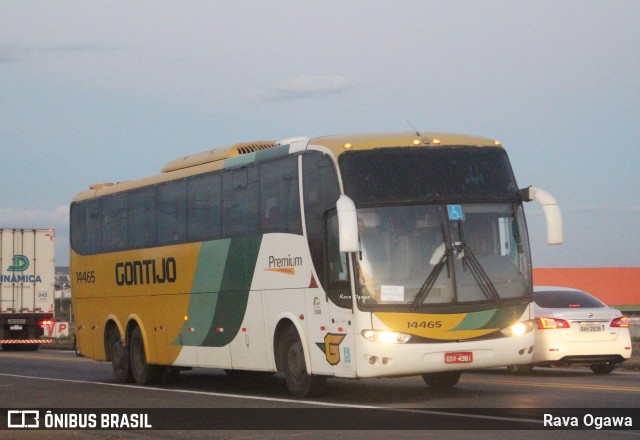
(27, 286)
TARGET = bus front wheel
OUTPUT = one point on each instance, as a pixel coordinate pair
(299, 382)
(605, 368)
(119, 356)
(442, 380)
(143, 373)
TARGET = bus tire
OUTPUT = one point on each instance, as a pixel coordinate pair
(605, 368)
(119, 355)
(442, 380)
(143, 373)
(520, 369)
(299, 382)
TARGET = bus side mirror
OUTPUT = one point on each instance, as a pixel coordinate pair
(551, 210)
(347, 225)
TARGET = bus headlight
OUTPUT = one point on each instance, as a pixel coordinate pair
(517, 329)
(386, 337)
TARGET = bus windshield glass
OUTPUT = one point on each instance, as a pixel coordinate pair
(439, 227)
(417, 256)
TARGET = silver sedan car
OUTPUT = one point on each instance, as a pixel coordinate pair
(575, 328)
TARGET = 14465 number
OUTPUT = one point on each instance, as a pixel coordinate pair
(86, 277)
(424, 324)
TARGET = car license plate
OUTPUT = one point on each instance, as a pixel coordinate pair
(591, 328)
(458, 357)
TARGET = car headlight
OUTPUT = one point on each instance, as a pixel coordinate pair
(386, 337)
(518, 329)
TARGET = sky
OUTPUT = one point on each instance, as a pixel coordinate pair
(106, 91)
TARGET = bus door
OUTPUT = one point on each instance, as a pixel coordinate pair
(340, 341)
(340, 338)
(330, 330)
(331, 323)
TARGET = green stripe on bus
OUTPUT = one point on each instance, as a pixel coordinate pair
(204, 293)
(233, 295)
(475, 320)
(506, 316)
(490, 319)
(257, 156)
(242, 159)
(270, 153)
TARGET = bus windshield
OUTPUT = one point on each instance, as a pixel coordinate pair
(419, 257)
(439, 226)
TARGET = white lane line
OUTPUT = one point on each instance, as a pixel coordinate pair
(281, 400)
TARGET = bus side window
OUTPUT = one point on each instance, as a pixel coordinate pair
(240, 189)
(94, 226)
(279, 196)
(204, 207)
(79, 227)
(172, 213)
(142, 218)
(114, 223)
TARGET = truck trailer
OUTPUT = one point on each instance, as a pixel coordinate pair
(27, 286)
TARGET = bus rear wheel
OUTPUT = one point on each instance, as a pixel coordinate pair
(143, 373)
(442, 380)
(119, 356)
(299, 382)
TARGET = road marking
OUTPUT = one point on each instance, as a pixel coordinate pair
(206, 393)
(280, 400)
(555, 385)
(70, 357)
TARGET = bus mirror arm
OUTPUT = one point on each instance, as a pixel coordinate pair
(551, 210)
(347, 225)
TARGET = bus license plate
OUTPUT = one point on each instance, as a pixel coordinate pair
(459, 357)
(591, 327)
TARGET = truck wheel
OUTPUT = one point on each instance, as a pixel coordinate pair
(119, 356)
(442, 380)
(143, 373)
(299, 382)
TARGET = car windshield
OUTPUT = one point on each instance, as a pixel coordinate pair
(427, 256)
(565, 299)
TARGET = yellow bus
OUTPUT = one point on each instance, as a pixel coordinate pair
(364, 255)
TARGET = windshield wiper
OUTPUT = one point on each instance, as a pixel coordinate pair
(428, 284)
(478, 272)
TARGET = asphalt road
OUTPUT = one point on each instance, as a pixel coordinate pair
(59, 379)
